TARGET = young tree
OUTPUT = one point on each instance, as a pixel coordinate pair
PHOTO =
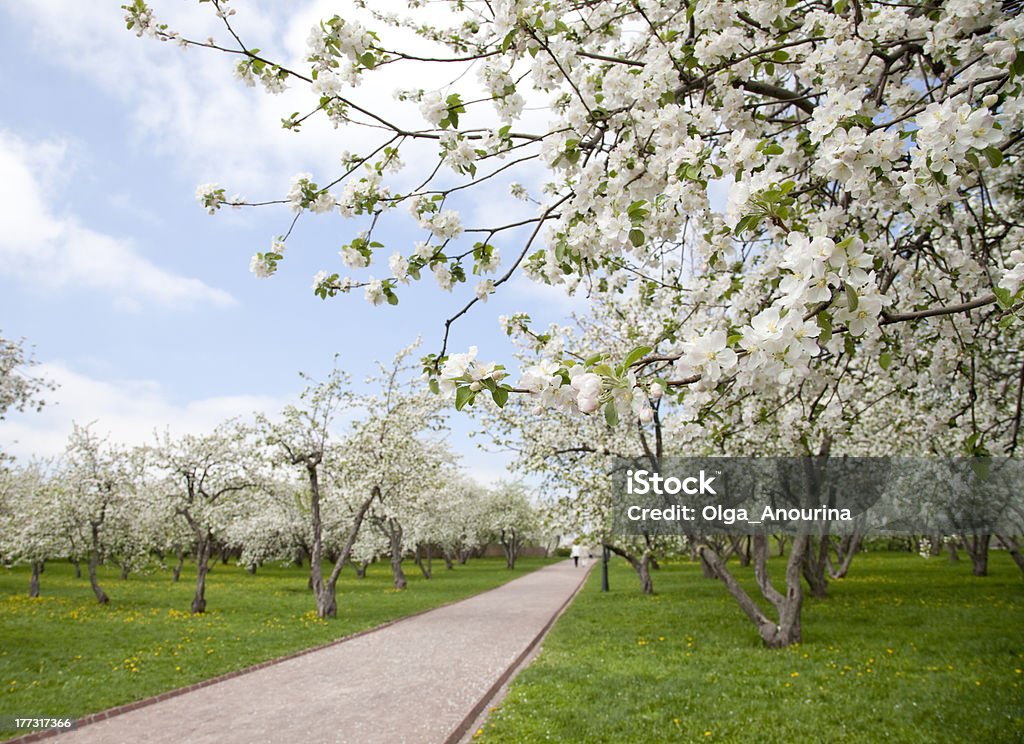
(96, 486)
(30, 529)
(510, 518)
(302, 437)
(207, 475)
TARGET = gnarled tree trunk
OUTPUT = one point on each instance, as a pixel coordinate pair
(775, 634)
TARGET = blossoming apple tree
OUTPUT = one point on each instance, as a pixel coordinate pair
(206, 477)
(867, 154)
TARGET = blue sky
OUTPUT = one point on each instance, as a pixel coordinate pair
(138, 303)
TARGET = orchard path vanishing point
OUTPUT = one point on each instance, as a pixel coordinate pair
(420, 680)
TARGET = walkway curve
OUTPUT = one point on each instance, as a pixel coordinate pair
(419, 680)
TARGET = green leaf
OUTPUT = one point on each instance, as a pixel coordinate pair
(852, 301)
(1003, 297)
(733, 339)
(780, 56)
(636, 355)
(593, 360)
(825, 324)
(463, 395)
(885, 360)
(636, 237)
(500, 396)
(611, 413)
(993, 155)
(434, 387)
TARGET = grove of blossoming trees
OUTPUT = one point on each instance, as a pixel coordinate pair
(867, 258)
(291, 485)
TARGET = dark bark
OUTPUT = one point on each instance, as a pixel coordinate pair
(641, 564)
(846, 549)
(774, 634)
(423, 565)
(78, 567)
(977, 548)
(951, 551)
(176, 574)
(326, 599)
(125, 570)
(361, 569)
(203, 554)
(511, 543)
(448, 560)
(395, 540)
(251, 568)
(33, 587)
(815, 565)
(781, 544)
(94, 562)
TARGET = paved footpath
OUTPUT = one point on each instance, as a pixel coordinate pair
(415, 681)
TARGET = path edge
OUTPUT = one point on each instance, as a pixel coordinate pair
(159, 698)
(513, 669)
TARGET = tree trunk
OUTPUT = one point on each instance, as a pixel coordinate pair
(448, 560)
(33, 587)
(94, 562)
(815, 564)
(780, 541)
(251, 568)
(395, 538)
(78, 567)
(125, 570)
(510, 544)
(846, 548)
(361, 569)
(977, 548)
(423, 566)
(178, 566)
(951, 550)
(1013, 548)
(788, 606)
(641, 565)
(326, 599)
(203, 554)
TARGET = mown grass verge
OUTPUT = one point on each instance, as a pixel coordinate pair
(904, 650)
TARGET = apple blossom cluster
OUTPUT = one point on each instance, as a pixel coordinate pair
(780, 185)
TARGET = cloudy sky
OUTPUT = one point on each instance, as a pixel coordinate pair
(137, 303)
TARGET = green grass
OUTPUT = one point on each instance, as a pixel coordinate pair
(904, 650)
(65, 655)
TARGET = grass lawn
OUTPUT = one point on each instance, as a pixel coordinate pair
(905, 650)
(65, 655)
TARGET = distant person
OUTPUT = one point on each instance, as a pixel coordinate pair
(575, 553)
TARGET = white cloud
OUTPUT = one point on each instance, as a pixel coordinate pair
(57, 252)
(128, 410)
